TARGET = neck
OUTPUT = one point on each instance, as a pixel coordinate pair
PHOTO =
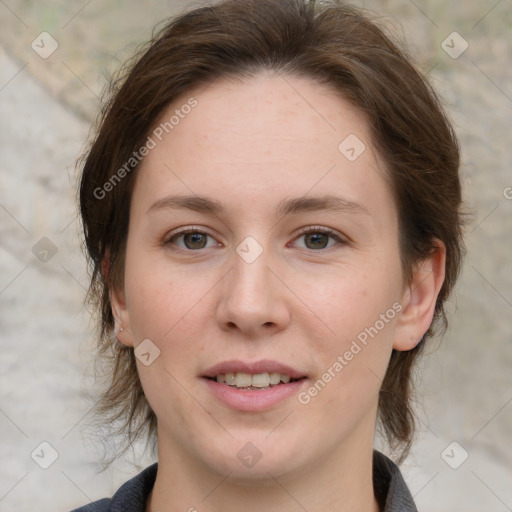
(337, 481)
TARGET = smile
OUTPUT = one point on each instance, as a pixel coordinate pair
(257, 381)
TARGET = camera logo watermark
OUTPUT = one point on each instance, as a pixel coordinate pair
(44, 455)
(454, 45)
(249, 454)
(152, 141)
(454, 455)
(249, 249)
(44, 45)
(44, 249)
(147, 352)
(356, 347)
(351, 147)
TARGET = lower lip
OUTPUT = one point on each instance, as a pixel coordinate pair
(256, 399)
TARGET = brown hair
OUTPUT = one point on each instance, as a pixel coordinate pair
(332, 43)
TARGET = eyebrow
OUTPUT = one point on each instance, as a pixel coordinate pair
(285, 207)
(195, 203)
(327, 202)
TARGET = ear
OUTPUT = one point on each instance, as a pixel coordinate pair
(419, 299)
(119, 308)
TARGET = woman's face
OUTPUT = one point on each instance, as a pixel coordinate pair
(262, 246)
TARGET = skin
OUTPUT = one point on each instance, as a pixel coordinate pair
(251, 145)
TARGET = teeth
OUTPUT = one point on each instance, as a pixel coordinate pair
(260, 380)
(246, 380)
(275, 378)
(243, 380)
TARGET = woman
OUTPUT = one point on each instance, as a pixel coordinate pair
(271, 209)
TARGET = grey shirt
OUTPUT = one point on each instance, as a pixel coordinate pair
(390, 490)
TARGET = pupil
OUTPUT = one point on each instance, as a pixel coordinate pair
(195, 240)
(317, 240)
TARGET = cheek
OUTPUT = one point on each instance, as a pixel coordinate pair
(160, 300)
(170, 310)
(358, 312)
(348, 302)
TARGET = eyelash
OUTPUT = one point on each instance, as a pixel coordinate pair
(325, 231)
(305, 231)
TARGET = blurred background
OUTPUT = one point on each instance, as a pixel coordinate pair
(55, 58)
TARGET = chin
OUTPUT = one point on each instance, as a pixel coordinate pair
(251, 463)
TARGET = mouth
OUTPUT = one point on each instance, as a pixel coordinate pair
(253, 386)
(257, 381)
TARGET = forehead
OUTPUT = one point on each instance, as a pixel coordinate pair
(261, 139)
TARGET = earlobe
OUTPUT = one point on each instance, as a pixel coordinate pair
(419, 299)
(122, 329)
(121, 315)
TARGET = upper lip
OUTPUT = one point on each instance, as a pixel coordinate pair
(262, 366)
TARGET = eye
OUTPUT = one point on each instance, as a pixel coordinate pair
(191, 239)
(318, 238)
(314, 238)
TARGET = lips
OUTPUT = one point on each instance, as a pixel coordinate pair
(253, 386)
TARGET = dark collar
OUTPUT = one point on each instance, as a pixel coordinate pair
(390, 489)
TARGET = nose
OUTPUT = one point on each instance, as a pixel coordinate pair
(253, 299)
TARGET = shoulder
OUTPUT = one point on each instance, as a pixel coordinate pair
(390, 487)
(97, 506)
(130, 497)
